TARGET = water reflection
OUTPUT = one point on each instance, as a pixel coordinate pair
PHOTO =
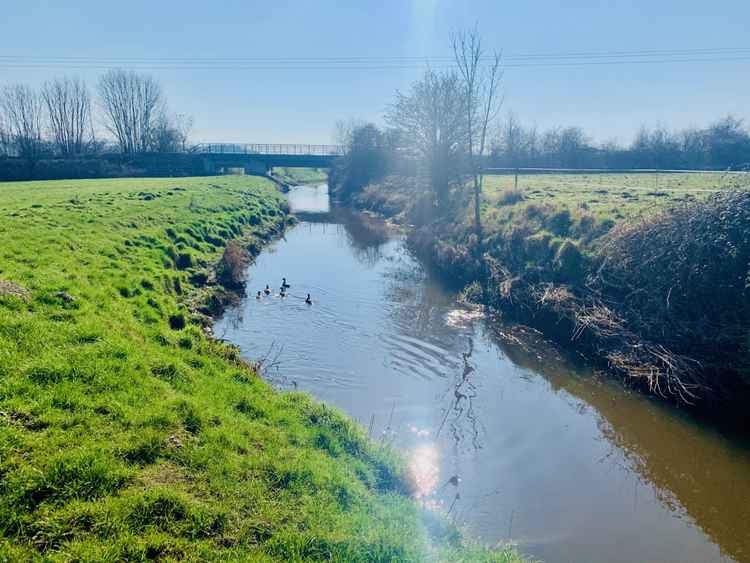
(501, 432)
(460, 415)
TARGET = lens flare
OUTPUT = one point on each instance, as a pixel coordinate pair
(425, 471)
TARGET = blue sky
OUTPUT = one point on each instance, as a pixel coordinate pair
(300, 101)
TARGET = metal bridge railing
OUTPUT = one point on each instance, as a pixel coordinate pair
(269, 149)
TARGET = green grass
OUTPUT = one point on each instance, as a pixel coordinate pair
(128, 434)
(302, 175)
(614, 196)
(581, 207)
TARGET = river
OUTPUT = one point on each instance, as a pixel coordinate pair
(509, 437)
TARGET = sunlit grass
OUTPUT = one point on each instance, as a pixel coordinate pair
(127, 434)
(613, 196)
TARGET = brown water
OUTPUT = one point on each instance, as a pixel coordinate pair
(502, 433)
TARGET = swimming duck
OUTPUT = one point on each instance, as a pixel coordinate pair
(308, 300)
(258, 296)
(284, 284)
(282, 292)
(267, 291)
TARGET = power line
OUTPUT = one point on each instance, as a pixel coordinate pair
(370, 59)
(583, 58)
(362, 67)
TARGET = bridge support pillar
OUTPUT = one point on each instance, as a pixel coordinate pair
(256, 168)
(209, 167)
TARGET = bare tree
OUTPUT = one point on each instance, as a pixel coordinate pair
(5, 141)
(131, 104)
(511, 138)
(69, 109)
(344, 129)
(170, 132)
(23, 110)
(430, 119)
(183, 124)
(482, 102)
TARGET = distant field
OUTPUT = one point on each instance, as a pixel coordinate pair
(615, 195)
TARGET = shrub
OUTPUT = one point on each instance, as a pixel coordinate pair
(231, 268)
(510, 197)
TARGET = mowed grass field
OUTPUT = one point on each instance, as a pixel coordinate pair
(128, 434)
(614, 196)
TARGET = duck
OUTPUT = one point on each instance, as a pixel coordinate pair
(258, 296)
(282, 292)
(308, 300)
(284, 284)
(267, 291)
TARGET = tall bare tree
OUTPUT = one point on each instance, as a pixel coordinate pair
(430, 119)
(23, 110)
(482, 102)
(183, 124)
(511, 137)
(131, 104)
(5, 142)
(69, 109)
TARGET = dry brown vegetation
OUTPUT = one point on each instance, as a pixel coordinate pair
(12, 289)
(231, 268)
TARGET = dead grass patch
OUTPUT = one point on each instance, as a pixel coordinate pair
(9, 288)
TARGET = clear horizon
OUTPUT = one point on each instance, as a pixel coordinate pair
(253, 72)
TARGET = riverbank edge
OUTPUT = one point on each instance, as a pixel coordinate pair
(560, 314)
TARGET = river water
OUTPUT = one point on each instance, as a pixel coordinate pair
(503, 433)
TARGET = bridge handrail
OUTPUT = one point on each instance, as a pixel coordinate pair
(269, 149)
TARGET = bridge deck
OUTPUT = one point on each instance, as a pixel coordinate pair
(263, 149)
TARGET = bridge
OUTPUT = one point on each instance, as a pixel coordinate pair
(259, 158)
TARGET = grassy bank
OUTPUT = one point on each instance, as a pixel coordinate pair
(646, 274)
(127, 433)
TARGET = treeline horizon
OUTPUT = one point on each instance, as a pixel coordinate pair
(722, 145)
(57, 119)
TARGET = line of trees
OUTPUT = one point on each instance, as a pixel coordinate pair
(57, 120)
(722, 145)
